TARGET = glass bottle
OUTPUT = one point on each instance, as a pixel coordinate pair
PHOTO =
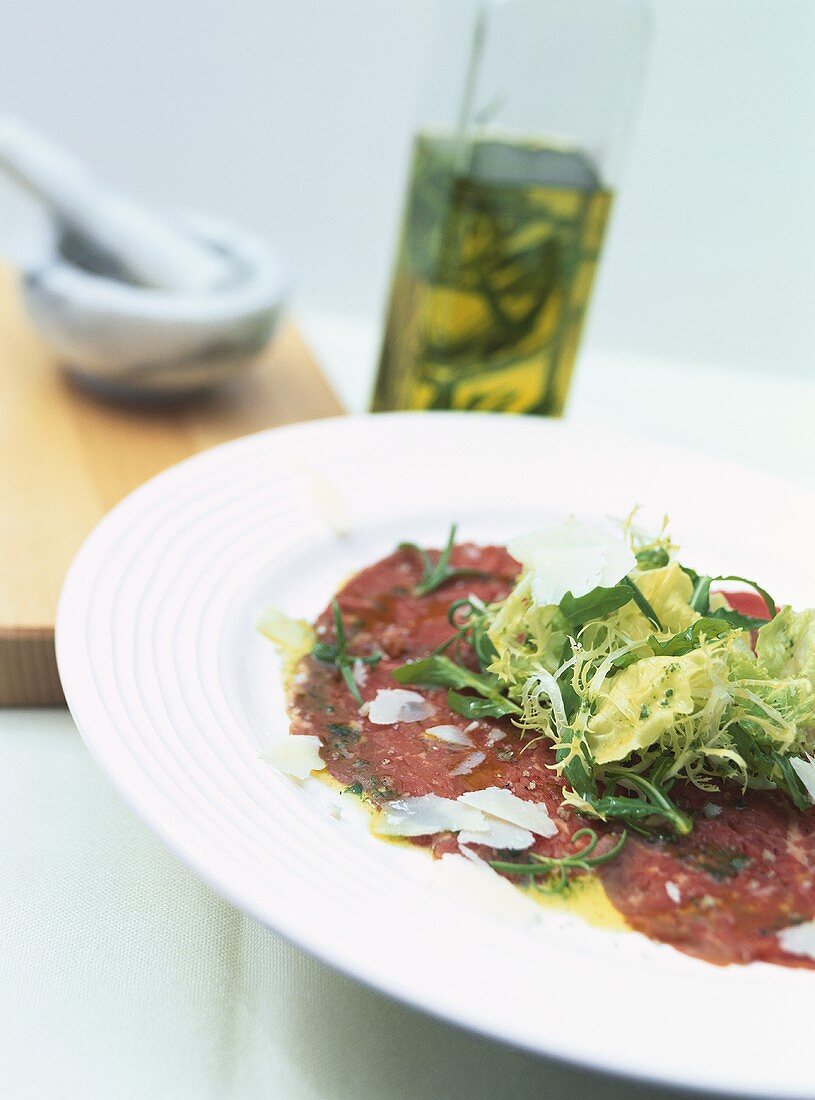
(513, 173)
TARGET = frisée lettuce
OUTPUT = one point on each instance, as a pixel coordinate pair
(638, 672)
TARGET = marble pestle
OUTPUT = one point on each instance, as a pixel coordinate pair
(137, 304)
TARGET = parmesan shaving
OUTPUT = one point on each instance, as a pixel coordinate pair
(673, 892)
(453, 735)
(469, 854)
(499, 834)
(426, 815)
(392, 705)
(572, 556)
(297, 755)
(799, 939)
(360, 672)
(503, 804)
(469, 763)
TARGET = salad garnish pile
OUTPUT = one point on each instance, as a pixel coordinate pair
(637, 670)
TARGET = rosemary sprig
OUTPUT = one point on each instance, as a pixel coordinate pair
(471, 626)
(336, 653)
(556, 872)
(437, 573)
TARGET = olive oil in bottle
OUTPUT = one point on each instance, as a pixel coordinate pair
(493, 276)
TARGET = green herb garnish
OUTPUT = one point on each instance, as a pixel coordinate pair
(579, 610)
(642, 603)
(556, 873)
(700, 601)
(599, 602)
(441, 671)
(644, 800)
(336, 653)
(634, 701)
(437, 573)
(653, 557)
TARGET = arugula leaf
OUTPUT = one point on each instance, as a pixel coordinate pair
(769, 602)
(736, 620)
(700, 601)
(700, 596)
(598, 603)
(476, 706)
(772, 765)
(579, 610)
(435, 574)
(688, 639)
(440, 671)
(653, 801)
(678, 645)
(642, 603)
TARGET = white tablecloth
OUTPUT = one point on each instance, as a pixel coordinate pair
(123, 976)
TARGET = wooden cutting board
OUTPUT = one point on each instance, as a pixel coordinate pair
(66, 458)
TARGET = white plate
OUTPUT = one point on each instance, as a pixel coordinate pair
(176, 695)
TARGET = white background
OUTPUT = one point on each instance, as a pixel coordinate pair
(294, 118)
